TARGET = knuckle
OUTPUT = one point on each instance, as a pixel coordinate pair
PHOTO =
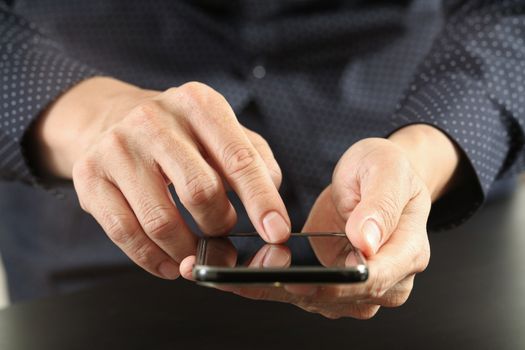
(388, 208)
(117, 228)
(418, 251)
(398, 299)
(277, 177)
(194, 87)
(171, 92)
(146, 118)
(377, 288)
(257, 139)
(275, 170)
(196, 94)
(366, 312)
(143, 255)
(346, 203)
(84, 170)
(203, 106)
(264, 150)
(147, 110)
(308, 307)
(114, 141)
(238, 159)
(158, 223)
(85, 179)
(200, 190)
(399, 294)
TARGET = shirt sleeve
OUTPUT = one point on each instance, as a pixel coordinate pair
(471, 86)
(34, 72)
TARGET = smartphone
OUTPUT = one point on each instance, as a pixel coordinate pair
(247, 259)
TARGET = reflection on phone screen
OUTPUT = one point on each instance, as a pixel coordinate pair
(249, 250)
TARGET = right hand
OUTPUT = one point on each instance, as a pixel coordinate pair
(123, 146)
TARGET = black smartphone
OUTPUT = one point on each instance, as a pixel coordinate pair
(247, 259)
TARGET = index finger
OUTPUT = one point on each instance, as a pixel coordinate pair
(224, 140)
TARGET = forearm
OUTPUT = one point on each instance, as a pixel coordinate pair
(433, 155)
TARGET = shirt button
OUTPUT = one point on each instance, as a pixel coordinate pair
(259, 72)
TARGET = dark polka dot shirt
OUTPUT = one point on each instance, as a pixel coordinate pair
(311, 76)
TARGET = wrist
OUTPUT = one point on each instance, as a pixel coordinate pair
(434, 157)
(70, 124)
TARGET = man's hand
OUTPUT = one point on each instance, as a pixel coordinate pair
(380, 196)
(123, 146)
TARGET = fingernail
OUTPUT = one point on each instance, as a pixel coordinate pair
(275, 227)
(372, 234)
(169, 270)
(275, 257)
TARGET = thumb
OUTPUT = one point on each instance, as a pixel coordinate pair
(372, 222)
(371, 198)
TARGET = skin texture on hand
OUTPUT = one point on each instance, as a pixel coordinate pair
(123, 146)
(380, 197)
(434, 157)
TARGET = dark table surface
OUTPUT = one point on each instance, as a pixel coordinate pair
(472, 296)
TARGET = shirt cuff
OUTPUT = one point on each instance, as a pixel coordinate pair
(471, 121)
(34, 74)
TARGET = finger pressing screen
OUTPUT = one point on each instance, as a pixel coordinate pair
(225, 141)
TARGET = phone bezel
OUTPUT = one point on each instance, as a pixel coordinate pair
(213, 275)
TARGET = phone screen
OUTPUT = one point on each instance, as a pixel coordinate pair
(304, 258)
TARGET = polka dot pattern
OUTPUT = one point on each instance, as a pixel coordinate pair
(471, 86)
(468, 83)
(33, 72)
(312, 76)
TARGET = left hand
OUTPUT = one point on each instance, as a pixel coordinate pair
(386, 221)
